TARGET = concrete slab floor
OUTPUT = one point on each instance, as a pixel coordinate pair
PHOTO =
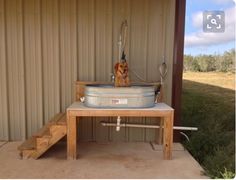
(108, 160)
(2, 143)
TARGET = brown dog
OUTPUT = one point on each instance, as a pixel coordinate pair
(122, 74)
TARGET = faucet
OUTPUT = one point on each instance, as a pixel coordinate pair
(112, 78)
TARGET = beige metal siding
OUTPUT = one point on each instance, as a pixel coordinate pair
(33, 66)
(46, 45)
(86, 39)
(15, 69)
(68, 51)
(50, 57)
(4, 123)
(169, 6)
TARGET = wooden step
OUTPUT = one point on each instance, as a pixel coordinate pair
(26, 154)
(44, 132)
(29, 144)
(42, 142)
(45, 129)
(57, 118)
(62, 120)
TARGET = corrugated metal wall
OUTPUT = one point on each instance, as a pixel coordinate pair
(46, 45)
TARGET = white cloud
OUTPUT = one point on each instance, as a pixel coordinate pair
(197, 19)
(207, 39)
(223, 1)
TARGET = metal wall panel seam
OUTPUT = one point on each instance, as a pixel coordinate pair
(39, 84)
(23, 126)
(42, 62)
(59, 55)
(5, 107)
(7, 76)
(24, 75)
(58, 88)
(144, 119)
(62, 74)
(129, 9)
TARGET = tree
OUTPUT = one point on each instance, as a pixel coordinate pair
(227, 61)
(206, 63)
(188, 60)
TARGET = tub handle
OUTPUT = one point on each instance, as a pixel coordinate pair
(82, 99)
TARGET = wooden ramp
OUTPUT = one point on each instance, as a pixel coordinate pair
(45, 138)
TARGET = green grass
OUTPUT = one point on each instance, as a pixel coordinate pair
(212, 110)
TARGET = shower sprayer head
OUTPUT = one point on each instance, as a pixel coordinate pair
(123, 56)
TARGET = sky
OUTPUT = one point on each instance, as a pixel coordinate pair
(198, 42)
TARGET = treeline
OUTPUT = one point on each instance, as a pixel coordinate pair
(207, 63)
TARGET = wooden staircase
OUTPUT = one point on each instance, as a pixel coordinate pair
(46, 137)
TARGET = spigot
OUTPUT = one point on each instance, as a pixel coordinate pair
(112, 78)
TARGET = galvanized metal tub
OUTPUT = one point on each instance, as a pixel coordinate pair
(108, 96)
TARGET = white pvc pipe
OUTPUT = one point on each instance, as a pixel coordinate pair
(147, 126)
(118, 123)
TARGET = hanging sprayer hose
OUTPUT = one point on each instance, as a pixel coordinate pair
(121, 46)
(163, 70)
(122, 38)
(139, 77)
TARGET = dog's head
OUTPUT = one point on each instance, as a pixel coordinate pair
(121, 67)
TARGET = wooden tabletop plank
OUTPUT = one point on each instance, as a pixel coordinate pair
(159, 110)
(81, 106)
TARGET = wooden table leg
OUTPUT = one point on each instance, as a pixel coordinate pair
(168, 136)
(71, 137)
(159, 133)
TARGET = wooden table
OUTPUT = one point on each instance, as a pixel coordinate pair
(78, 109)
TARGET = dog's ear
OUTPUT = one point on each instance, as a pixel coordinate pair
(116, 66)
